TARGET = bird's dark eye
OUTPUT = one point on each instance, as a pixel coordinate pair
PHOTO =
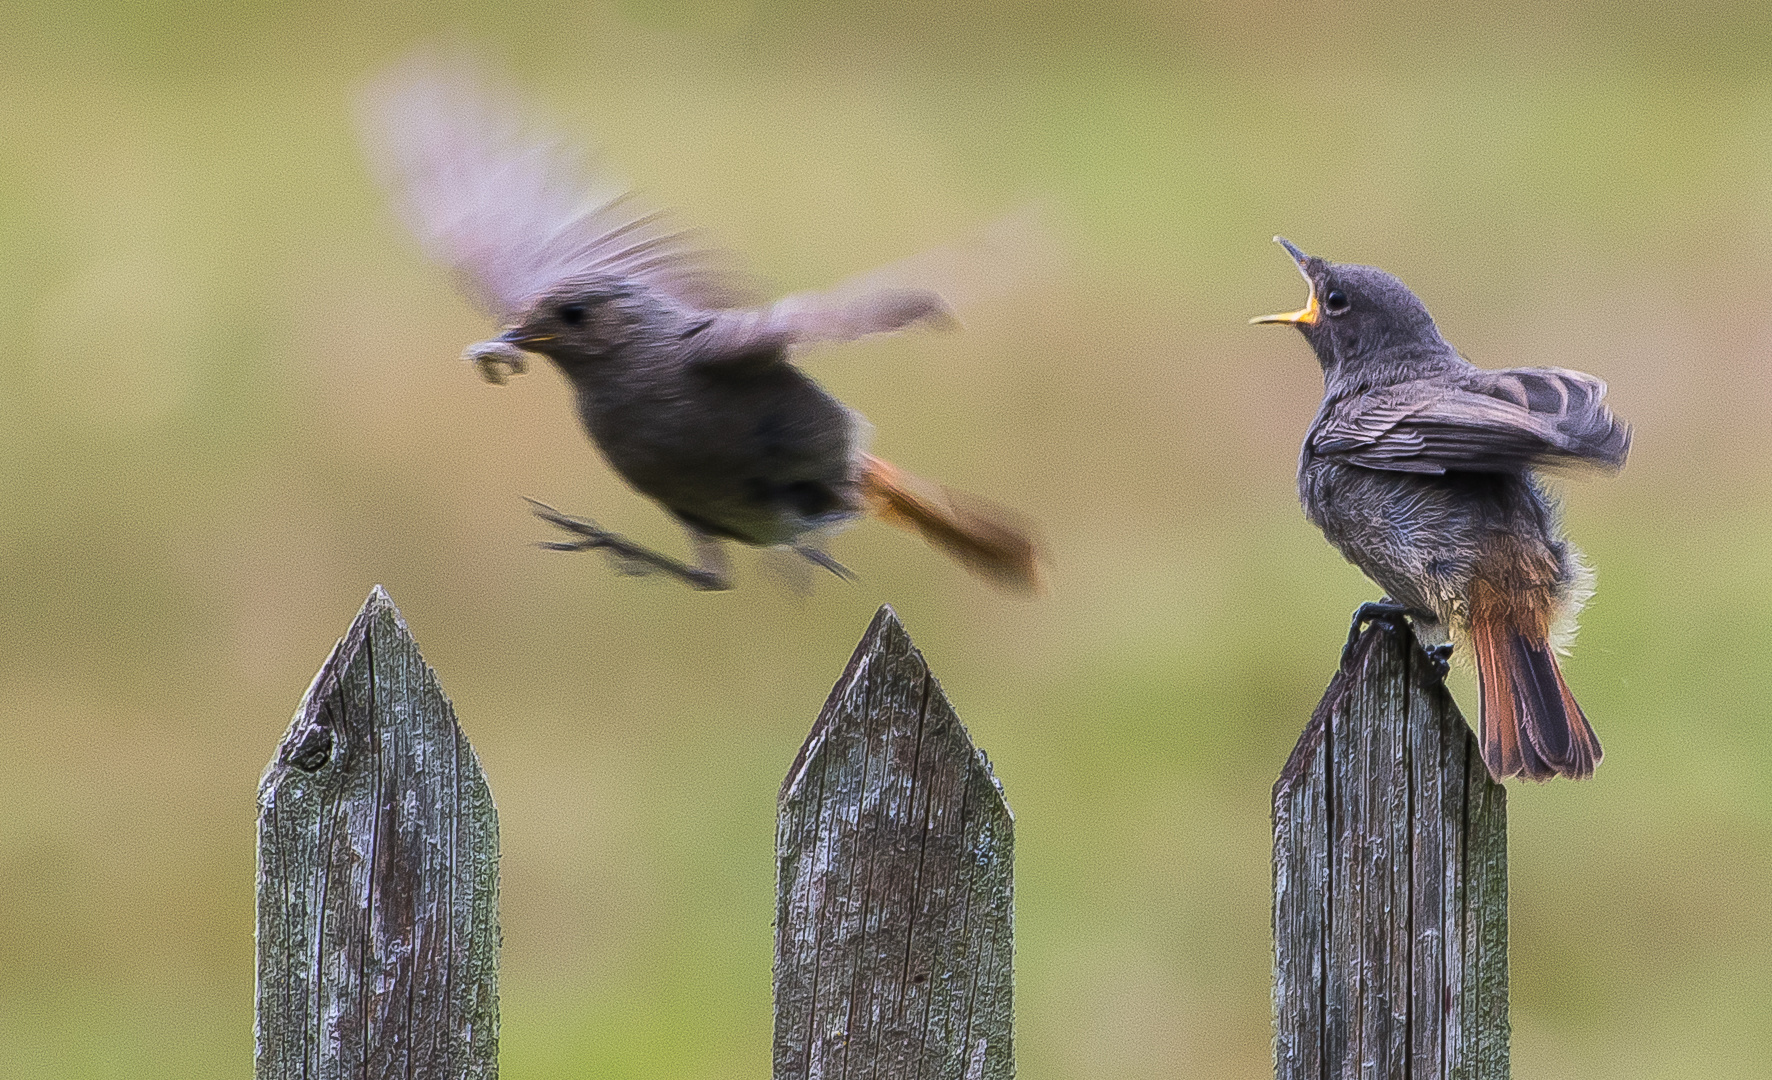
(572, 314)
(1336, 302)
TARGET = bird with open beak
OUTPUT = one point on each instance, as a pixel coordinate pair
(1421, 468)
(688, 391)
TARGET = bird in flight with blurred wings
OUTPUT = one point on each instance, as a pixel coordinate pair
(688, 390)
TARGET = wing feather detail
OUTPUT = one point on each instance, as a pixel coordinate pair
(1484, 421)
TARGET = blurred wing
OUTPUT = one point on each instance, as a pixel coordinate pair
(763, 335)
(839, 316)
(512, 208)
(988, 262)
(1489, 421)
(926, 289)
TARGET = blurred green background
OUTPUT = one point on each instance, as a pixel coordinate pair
(230, 403)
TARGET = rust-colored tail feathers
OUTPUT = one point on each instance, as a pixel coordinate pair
(1531, 725)
(980, 537)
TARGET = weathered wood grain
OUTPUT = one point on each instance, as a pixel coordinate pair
(1390, 883)
(377, 876)
(894, 913)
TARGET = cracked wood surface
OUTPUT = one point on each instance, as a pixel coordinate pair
(894, 921)
(377, 876)
(1390, 883)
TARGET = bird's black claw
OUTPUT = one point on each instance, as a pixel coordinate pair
(1386, 611)
(629, 558)
(1391, 614)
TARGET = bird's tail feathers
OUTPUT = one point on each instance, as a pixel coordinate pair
(985, 539)
(1531, 724)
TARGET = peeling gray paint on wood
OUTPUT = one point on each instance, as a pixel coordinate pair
(1390, 883)
(377, 876)
(894, 920)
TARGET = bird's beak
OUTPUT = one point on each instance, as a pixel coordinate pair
(1306, 315)
(522, 338)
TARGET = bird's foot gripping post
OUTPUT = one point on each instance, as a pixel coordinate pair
(1386, 612)
(1393, 617)
(1390, 881)
(631, 558)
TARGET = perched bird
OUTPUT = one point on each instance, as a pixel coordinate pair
(1420, 466)
(688, 391)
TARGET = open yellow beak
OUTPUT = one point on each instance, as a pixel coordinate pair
(1306, 314)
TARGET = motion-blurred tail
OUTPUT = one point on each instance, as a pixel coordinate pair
(1531, 725)
(979, 537)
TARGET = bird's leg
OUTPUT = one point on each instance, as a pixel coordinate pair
(1386, 611)
(819, 558)
(710, 559)
(1440, 658)
(711, 575)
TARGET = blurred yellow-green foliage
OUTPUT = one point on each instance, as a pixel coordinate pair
(230, 403)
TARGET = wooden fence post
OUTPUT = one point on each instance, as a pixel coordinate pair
(377, 876)
(894, 849)
(1390, 883)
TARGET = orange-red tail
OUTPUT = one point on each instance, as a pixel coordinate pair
(979, 537)
(1531, 725)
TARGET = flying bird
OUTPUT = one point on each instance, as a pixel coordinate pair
(688, 389)
(1422, 469)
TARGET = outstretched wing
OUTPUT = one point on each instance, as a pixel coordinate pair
(988, 262)
(804, 318)
(1486, 421)
(512, 208)
(763, 335)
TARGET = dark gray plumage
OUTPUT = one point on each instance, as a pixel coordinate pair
(1420, 466)
(686, 389)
